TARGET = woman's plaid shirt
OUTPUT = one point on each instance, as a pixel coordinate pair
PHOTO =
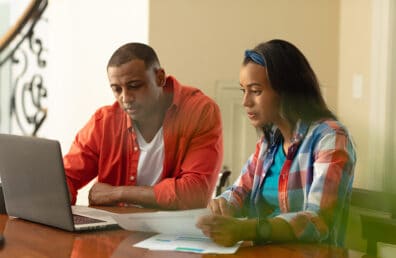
(314, 185)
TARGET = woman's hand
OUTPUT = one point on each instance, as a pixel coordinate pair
(223, 230)
(221, 207)
(226, 230)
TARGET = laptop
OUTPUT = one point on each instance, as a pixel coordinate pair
(35, 189)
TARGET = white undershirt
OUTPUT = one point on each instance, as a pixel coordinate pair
(151, 158)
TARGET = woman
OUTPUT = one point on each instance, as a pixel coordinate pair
(297, 184)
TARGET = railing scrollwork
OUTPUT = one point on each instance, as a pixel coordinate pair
(24, 51)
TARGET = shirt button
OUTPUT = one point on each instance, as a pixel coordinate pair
(135, 148)
(132, 178)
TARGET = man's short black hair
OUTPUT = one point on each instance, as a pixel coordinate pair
(132, 51)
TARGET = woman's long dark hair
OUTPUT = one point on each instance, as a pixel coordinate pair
(292, 77)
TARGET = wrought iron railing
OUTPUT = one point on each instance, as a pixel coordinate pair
(18, 47)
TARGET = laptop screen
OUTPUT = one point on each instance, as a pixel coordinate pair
(33, 180)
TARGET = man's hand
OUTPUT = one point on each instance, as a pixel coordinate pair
(104, 194)
(221, 207)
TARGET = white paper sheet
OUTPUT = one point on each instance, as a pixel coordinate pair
(177, 228)
(168, 222)
(185, 243)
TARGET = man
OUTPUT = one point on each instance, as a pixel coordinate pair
(159, 144)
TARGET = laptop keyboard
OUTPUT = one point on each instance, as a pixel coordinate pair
(78, 220)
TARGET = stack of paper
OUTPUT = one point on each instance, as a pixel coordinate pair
(177, 228)
(185, 243)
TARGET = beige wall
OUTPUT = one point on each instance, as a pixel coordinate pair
(203, 41)
(355, 58)
(367, 47)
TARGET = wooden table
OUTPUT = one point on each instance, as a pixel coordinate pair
(26, 239)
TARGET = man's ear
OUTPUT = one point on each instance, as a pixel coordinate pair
(160, 77)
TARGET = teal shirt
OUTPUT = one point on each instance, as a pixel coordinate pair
(271, 181)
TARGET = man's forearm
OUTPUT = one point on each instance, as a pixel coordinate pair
(142, 195)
